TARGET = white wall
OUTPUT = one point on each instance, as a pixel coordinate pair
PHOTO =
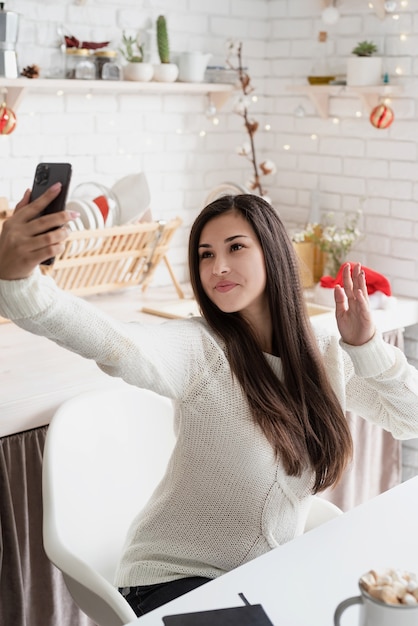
(112, 135)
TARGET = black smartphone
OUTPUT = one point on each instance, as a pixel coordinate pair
(46, 175)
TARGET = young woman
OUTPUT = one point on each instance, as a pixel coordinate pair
(259, 400)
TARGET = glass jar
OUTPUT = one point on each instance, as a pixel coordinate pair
(79, 64)
(107, 66)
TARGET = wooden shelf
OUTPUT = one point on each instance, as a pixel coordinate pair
(320, 94)
(14, 89)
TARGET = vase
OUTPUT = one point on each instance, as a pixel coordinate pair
(331, 265)
(305, 253)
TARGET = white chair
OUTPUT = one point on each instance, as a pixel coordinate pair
(105, 452)
(320, 511)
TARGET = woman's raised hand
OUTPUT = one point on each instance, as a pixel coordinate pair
(352, 307)
(26, 240)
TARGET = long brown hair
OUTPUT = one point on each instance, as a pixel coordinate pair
(301, 416)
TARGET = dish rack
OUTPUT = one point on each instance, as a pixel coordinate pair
(109, 259)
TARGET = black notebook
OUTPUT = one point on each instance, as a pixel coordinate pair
(250, 615)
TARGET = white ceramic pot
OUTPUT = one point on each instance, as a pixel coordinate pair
(138, 71)
(363, 71)
(192, 66)
(166, 72)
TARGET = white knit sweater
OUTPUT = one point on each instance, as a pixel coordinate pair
(224, 499)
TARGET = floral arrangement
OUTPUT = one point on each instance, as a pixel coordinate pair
(335, 242)
(247, 150)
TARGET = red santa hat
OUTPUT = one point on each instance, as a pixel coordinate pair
(374, 280)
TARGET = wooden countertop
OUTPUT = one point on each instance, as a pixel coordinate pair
(36, 375)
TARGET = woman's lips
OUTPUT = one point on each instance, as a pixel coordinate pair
(223, 287)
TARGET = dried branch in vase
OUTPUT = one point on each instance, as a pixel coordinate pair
(234, 61)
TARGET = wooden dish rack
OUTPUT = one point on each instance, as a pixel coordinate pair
(109, 259)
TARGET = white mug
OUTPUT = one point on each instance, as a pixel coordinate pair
(376, 613)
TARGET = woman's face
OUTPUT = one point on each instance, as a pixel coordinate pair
(231, 266)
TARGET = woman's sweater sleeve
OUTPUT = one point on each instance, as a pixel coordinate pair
(151, 356)
(377, 382)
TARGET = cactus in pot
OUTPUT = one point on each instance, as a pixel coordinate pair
(135, 68)
(162, 40)
(166, 71)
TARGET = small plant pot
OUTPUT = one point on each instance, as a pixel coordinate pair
(363, 71)
(142, 72)
(166, 72)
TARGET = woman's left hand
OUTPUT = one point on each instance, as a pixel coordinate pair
(352, 307)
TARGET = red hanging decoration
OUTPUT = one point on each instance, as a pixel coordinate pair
(382, 116)
(7, 120)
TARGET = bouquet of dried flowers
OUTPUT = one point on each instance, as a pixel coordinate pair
(247, 149)
(336, 242)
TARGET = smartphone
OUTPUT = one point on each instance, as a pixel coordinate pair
(46, 175)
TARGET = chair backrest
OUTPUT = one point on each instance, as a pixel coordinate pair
(105, 453)
(319, 512)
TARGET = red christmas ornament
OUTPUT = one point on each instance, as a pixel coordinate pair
(7, 120)
(382, 116)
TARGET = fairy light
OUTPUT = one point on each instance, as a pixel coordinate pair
(404, 4)
(395, 16)
(286, 146)
(398, 71)
(359, 114)
(202, 133)
(267, 127)
(254, 98)
(335, 120)
(60, 93)
(314, 137)
(215, 121)
(403, 37)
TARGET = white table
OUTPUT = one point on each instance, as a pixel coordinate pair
(301, 583)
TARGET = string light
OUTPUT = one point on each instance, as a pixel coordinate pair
(202, 133)
(267, 127)
(359, 114)
(403, 37)
(335, 120)
(60, 92)
(314, 137)
(286, 146)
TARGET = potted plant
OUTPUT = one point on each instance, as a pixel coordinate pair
(364, 68)
(135, 68)
(165, 71)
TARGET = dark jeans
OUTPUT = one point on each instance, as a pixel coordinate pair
(149, 597)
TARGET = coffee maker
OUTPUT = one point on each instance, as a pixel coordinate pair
(9, 25)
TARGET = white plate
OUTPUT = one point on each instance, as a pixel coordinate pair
(84, 209)
(133, 196)
(99, 221)
(76, 246)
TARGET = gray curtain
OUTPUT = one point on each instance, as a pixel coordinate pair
(32, 590)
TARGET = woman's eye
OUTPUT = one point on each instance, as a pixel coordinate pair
(206, 255)
(236, 246)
